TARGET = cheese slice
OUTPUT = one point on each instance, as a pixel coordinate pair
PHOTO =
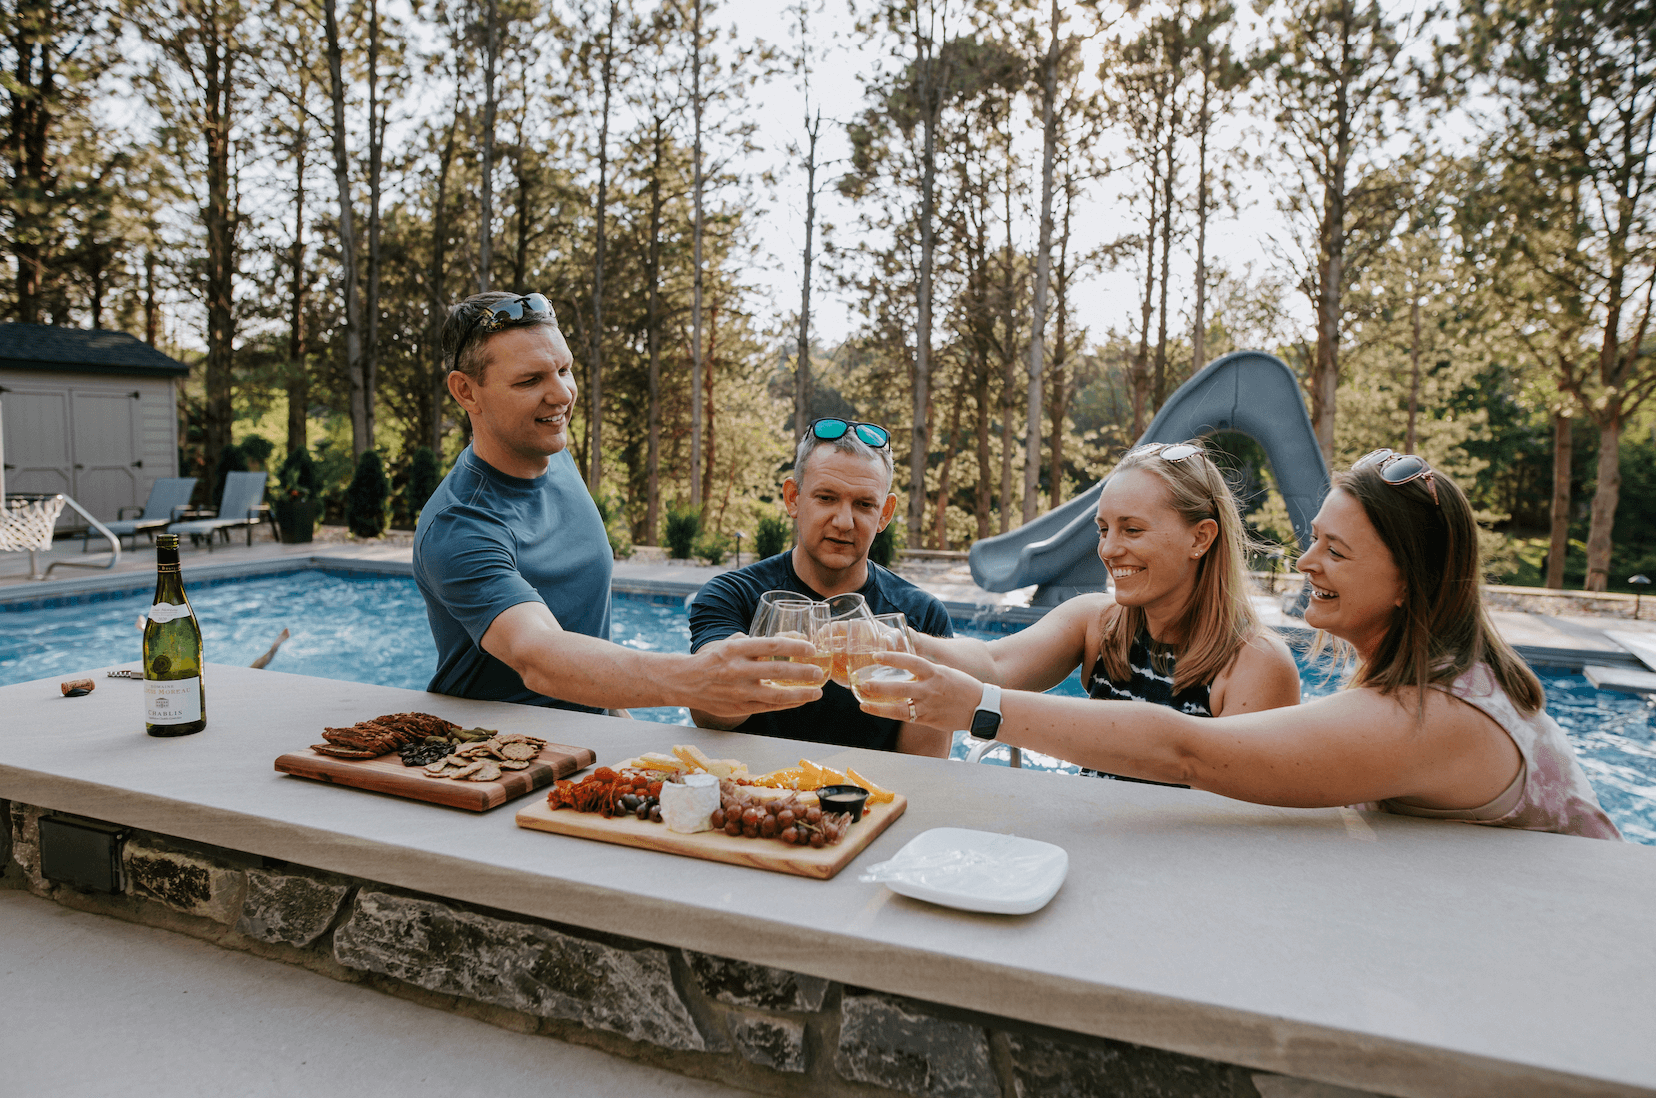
(687, 807)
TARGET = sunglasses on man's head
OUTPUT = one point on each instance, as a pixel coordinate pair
(828, 429)
(1399, 469)
(502, 313)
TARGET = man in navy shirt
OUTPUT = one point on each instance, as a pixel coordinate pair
(839, 497)
(511, 555)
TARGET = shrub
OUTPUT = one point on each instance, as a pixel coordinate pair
(713, 547)
(771, 535)
(682, 528)
(298, 476)
(257, 449)
(366, 497)
(886, 544)
(423, 478)
(334, 469)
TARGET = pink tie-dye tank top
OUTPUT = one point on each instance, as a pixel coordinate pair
(1551, 793)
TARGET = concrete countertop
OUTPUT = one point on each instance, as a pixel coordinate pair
(1398, 955)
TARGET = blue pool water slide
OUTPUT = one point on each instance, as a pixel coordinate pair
(1247, 391)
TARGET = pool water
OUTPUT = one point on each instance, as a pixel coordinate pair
(372, 628)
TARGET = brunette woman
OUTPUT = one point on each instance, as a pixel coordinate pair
(1179, 630)
(1441, 719)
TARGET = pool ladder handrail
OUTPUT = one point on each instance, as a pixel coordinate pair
(34, 551)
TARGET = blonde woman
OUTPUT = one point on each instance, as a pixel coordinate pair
(1179, 630)
(1442, 718)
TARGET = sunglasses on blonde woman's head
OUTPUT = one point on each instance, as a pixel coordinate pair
(1398, 469)
(1176, 451)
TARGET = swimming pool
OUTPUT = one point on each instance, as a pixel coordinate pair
(372, 628)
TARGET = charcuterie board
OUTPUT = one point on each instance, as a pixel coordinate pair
(387, 774)
(716, 846)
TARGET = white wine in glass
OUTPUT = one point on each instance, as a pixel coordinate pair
(865, 639)
(841, 610)
(798, 621)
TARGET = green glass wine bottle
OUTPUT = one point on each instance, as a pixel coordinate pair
(175, 698)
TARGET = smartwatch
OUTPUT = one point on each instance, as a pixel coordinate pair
(986, 721)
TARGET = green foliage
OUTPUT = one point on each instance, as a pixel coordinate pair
(334, 469)
(616, 527)
(771, 535)
(712, 547)
(423, 478)
(298, 476)
(886, 544)
(256, 449)
(682, 527)
(367, 496)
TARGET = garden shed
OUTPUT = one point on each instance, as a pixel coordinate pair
(86, 412)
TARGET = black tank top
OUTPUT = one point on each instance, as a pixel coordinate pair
(1149, 679)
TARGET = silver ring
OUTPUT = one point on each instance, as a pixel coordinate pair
(913, 716)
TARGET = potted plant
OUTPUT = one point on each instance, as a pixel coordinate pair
(295, 506)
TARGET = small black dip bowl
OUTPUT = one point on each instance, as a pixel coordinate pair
(843, 798)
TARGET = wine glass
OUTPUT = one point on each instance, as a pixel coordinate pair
(766, 601)
(798, 621)
(864, 640)
(841, 610)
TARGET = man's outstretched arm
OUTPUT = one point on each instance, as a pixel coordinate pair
(722, 679)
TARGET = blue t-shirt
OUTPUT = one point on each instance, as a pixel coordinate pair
(725, 605)
(486, 542)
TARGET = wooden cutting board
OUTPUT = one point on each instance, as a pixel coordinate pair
(716, 846)
(387, 774)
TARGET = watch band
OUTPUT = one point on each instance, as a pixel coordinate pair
(986, 720)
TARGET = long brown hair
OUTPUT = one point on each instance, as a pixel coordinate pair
(1219, 619)
(1442, 629)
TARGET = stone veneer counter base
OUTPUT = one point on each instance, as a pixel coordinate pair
(1402, 956)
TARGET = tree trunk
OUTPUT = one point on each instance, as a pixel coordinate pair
(802, 367)
(595, 383)
(1563, 451)
(1331, 240)
(1204, 121)
(152, 311)
(1409, 439)
(218, 83)
(1009, 345)
(931, 105)
(1605, 497)
(711, 457)
(376, 163)
(696, 260)
(985, 469)
(652, 506)
(31, 123)
(1168, 179)
(298, 375)
(1043, 268)
(485, 215)
(436, 299)
(361, 428)
(1059, 406)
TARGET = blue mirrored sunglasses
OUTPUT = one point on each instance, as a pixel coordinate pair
(829, 429)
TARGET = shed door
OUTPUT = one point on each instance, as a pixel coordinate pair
(37, 441)
(106, 451)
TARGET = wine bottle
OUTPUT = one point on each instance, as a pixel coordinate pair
(175, 699)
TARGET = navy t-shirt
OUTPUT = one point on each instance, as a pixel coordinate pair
(486, 542)
(726, 603)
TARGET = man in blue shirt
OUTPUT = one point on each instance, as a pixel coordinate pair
(511, 555)
(839, 497)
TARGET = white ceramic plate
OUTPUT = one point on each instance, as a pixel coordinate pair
(975, 871)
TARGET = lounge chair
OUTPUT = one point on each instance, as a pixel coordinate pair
(243, 496)
(168, 496)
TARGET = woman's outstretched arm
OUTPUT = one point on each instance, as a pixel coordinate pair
(1351, 747)
(1037, 658)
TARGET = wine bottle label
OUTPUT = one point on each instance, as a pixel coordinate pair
(167, 611)
(173, 701)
